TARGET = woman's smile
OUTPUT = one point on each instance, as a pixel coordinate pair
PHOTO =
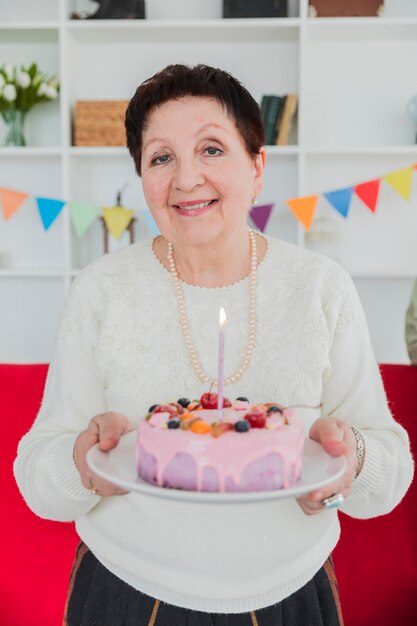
(194, 208)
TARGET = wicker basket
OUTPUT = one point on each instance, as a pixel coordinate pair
(100, 123)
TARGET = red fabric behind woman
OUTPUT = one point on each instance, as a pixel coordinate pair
(375, 560)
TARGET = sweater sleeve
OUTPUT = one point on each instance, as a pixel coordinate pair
(411, 326)
(44, 467)
(353, 391)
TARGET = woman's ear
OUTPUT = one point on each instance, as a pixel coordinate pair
(259, 164)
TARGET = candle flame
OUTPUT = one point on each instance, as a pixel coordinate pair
(222, 317)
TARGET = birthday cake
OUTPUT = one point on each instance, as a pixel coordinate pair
(192, 445)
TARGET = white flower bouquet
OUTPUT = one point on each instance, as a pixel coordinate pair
(21, 88)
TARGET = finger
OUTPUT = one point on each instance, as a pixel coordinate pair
(110, 427)
(308, 507)
(331, 434)
(102, 488)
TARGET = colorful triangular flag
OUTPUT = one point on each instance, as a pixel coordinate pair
(260, 215)
(147, 215)
(340, 199)
(368, 192)
(400, 181)
(49, 210)
(82, 216)
(303, 209)
(11, 201)
(117, 219)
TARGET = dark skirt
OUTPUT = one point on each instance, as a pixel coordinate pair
(96, 597)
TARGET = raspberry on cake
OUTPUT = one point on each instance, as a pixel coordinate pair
(182, 445)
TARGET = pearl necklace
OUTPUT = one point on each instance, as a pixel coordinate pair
(185, 327)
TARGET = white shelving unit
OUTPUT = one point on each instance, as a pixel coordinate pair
(354, 77)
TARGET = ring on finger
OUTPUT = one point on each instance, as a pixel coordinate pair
(334, 501)
(92, 488)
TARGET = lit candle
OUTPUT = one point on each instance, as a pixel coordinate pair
(220, 378)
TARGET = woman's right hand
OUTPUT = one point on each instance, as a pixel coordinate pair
(106, 430)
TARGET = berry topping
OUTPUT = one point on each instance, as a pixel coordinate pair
(186, 416)
(242, 399)
(274, 409)
(167, 408)
(194, 405)
(152, 408)
(218, 429)
(200, 428)
(174, 422)
(256, 418)
(209, 400)
(184, 402)
(242, 426)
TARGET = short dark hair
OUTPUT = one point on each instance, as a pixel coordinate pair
(177, 81)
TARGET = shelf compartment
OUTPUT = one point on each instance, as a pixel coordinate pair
(29, 321)
(144, 57)
(346, 102)
(24, 243)
(367, 244)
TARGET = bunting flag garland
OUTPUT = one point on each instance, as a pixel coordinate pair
(151, 223)
(260, 215)
(368, 192)
(49, 210)
(303, 209)
(340, 199)
(117, 219)
(11, 201)
(400, 181)
(82, 216)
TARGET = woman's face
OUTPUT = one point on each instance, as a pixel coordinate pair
(197, 176)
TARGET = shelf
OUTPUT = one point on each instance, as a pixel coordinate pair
(183, 31)
(329, 22)
(363, 151)
(230, 24)
(30, 151)
(108, 151)
(282, 150)
(32, 273)
(44, 25)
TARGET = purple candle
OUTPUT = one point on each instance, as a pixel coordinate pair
(220, 377)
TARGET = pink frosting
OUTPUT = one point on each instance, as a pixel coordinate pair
(230, 453)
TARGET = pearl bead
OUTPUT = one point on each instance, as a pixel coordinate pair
(185, 330)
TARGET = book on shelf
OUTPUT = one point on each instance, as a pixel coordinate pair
(271, 109)
(255, 8)
(287, 118)
(278, 113)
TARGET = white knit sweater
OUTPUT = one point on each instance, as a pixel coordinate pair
(120, 348)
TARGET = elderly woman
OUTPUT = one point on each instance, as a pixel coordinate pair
(141, 326)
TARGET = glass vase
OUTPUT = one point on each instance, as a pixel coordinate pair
(14, 119)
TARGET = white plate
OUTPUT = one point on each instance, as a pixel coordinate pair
(118, 467)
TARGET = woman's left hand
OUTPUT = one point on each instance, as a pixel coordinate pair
(337, 439)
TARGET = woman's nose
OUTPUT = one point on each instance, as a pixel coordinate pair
(188, 174)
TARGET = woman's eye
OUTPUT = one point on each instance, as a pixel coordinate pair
(212, 151)
(160, 159)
